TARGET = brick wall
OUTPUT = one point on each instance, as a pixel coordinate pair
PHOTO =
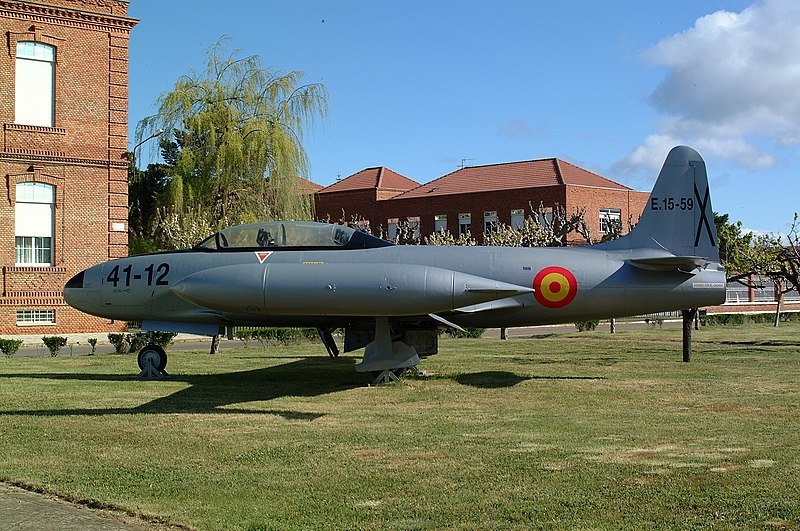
(363, 203)
(82, 155)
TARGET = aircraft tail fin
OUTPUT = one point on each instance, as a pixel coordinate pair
(678, 217)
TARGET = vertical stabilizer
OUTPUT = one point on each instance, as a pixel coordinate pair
(678, 216)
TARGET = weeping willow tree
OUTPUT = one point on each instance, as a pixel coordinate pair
(235, 133)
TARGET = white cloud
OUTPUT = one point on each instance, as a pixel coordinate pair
(732, 80)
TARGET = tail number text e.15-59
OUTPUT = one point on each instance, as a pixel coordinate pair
(671, 203)
(154, 274)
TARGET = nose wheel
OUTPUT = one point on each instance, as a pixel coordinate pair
(152, 362)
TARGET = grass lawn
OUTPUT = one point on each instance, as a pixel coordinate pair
(591, 431)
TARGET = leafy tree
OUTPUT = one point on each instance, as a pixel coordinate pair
(751, 259)
(232, 144)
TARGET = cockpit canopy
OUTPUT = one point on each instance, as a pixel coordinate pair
(289, 235)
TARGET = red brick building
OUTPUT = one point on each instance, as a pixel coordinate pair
(64, 112)
(477, 198)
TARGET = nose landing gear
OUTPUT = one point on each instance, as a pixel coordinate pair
(152, 362)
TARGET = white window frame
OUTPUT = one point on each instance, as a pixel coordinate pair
(36, 317)
(464, 223)
(391, 229)
(517, 218)
(440, 223)
(34, 224)
(489, 222)
(608, 216)
(413, 223)
(34, 94)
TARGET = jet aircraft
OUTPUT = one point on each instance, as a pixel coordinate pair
(391, 299)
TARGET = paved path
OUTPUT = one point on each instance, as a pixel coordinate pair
(21, 510)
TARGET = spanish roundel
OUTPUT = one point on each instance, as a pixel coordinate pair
(554, 287)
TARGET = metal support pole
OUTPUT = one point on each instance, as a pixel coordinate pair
(688, 321)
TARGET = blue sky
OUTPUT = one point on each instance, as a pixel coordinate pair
(417, 86)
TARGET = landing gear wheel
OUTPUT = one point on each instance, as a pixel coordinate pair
(153, 356)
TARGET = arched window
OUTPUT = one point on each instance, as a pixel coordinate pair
(35, 95)
(33, 228)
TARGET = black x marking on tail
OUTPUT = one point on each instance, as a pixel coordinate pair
(703, 218)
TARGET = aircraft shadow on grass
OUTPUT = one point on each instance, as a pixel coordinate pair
(215, 393)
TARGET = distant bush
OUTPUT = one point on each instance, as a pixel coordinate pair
(54, 344)
(724, 319)
(93, 342)
(9, 347)
(586, 326)
(468, 333)
(119, 342)
(137, 340)
(279, 335)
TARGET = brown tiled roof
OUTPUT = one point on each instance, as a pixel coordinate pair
(512, 175)
(373, 178)
(309, 187)
(577, 176)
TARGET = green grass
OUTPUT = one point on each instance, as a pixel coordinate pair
(588, 431)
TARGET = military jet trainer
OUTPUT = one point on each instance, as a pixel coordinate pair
(391, 299)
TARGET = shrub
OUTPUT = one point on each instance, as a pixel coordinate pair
(724, 319)
(584, 326)
(468, 333)
(243, 335)
(119, 341)
(54, 344)
(137, 340)
(9, 347)
(93, 342)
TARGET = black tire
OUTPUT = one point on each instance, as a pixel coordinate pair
(151, 353)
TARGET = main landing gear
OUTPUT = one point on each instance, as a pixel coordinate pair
(152, 362)
(386, 358)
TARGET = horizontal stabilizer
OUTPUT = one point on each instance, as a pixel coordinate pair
(683, 264)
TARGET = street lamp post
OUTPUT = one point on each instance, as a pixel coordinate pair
(133, 151)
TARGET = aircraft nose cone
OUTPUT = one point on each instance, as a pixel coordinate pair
(79, 295)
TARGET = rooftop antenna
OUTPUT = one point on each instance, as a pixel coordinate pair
(463, 161)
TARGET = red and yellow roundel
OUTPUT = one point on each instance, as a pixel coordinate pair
(554, 287)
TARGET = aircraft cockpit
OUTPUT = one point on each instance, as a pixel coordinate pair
(289, 235)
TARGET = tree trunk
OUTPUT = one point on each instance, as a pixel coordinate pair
(778, 310)
(215, 345)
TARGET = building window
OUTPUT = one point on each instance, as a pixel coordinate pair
(391, 229)
(33, 225)
(517, 218)
(413, 227)
(440, 223)
(36, 317)
(544, 217)
(489, 222)
(35, 74)
(609, 219)
(464, 223)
